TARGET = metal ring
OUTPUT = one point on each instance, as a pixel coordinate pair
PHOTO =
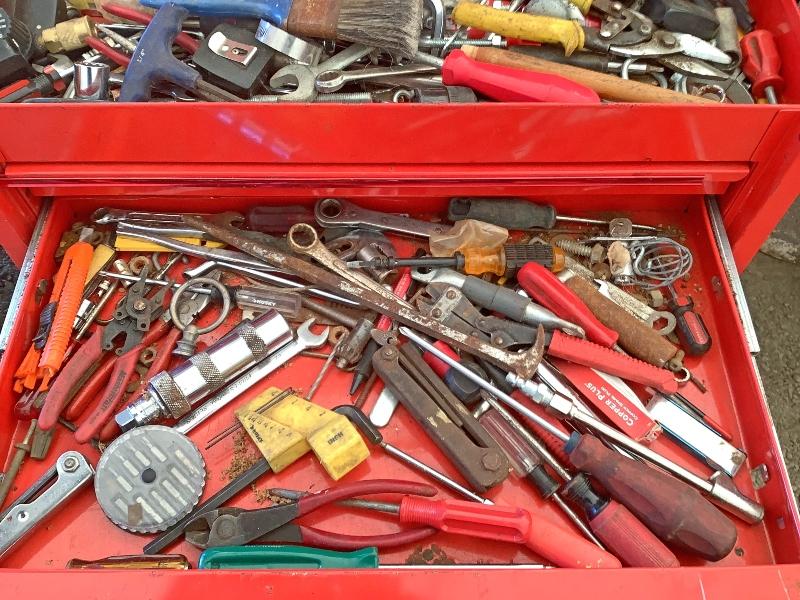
(687, 376)
(226, 303)
(710, 88)
(297, 231)
(337, 334)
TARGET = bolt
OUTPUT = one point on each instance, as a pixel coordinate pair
(436, 313)
(226, 528)
(451, 294)
(70, 464)
(605, 34)
(491, 461)
(388, 352)
(646, 29)
(139, 305)
(669, 40)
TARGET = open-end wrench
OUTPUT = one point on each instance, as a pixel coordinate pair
(305, 76)
(305, 340)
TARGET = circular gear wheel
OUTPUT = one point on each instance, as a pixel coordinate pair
(149, 478)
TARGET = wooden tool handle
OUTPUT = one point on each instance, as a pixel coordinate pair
(522, 26)
(609, 87)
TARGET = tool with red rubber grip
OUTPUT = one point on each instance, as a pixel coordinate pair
(671, 509)
(89, 391)
(621, 532)
(689, 326)
(509, 524)
(544, 287)
(592, 355)
(77, 370)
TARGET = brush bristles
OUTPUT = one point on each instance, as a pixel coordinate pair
(391, 24)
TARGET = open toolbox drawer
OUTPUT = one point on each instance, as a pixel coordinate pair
(764, 563)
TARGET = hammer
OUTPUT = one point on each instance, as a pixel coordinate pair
(153, 62)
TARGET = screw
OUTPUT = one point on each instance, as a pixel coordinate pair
(70, 464)
(436, 313)
(491, 461)
(451, 294)
(139, 305)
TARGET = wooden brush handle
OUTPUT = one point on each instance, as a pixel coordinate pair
(609, 87)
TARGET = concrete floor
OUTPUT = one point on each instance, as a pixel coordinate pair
(772, 286)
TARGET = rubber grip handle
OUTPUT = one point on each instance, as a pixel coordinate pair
(504, 212)
(494, 297)
(521, 26)
(400, 289)
(84, 361)
(89, 391)
(317, 538)
(690, 327)
(507, 84)
(609, 87)
(73, 272)
(152, 61)
(635, 337)
(508, 524)
(586, 353)
(627, 537)
(549, 291)
(671, 509)
(112, 395)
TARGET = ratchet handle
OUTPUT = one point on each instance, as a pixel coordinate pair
(521, 26)
(586, 353)
(548, 290)
(671, 509)
(507, 84)
(85, 360)
(508, 524)
(628, 538)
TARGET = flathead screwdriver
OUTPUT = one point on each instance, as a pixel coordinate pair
(514, 213)
(762, 64)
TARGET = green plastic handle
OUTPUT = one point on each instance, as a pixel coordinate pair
(286, 557)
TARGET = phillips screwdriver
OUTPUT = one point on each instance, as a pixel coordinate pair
(514, 213)
(507, 84)
(500, 261)
(762, 64)
(670, 508)
(689, 326)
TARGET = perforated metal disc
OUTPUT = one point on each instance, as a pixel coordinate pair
(149, 478)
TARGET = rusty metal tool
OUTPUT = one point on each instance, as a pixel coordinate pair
(522, 363)
(444, 418)
(23, 448)
(360, 420)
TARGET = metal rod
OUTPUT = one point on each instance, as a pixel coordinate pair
(433, 473)
(236, 426)
(515, 404)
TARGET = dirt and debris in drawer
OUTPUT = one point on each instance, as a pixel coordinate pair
(475, 382)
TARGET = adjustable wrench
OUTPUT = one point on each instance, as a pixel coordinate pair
(304, 341)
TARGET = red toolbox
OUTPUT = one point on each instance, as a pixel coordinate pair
(706, 170)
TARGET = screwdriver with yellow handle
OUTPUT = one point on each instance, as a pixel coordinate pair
(501, 261)
(533, 28)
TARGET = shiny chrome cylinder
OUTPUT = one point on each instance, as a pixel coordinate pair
(171, 394)
(91, 80)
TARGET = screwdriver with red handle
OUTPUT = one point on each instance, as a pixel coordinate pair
(507, 84)
(670, 508)
(689, 326)
(762, 64)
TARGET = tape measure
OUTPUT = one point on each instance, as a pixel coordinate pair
(294, 426)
